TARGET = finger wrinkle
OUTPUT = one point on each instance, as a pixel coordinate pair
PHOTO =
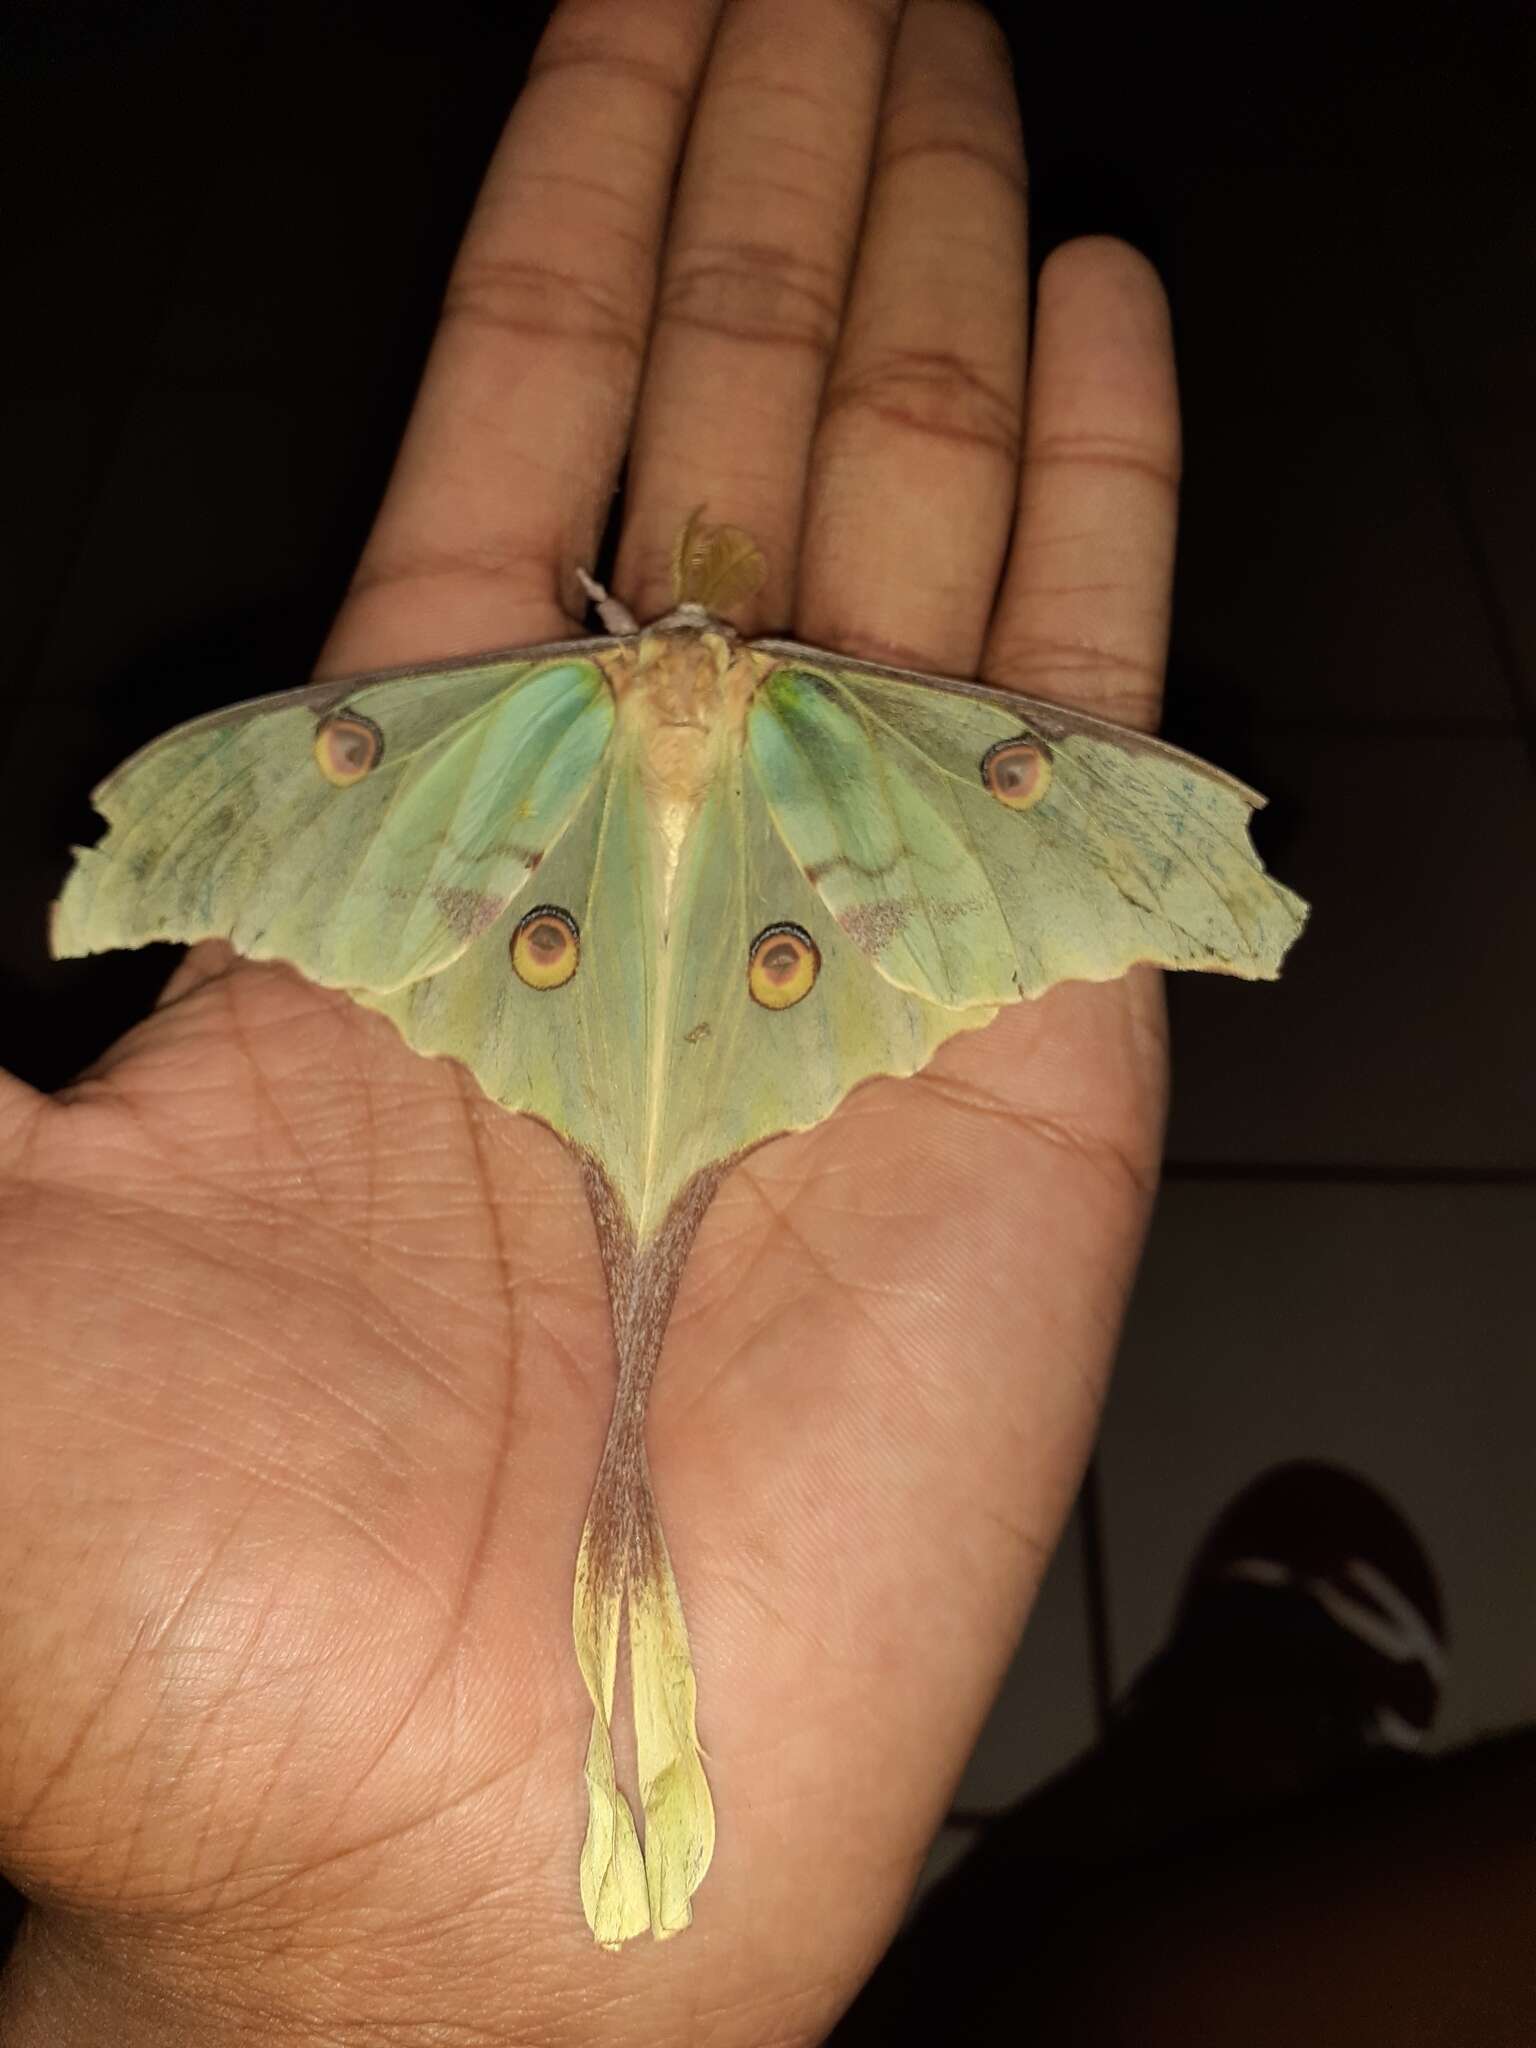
(570, 182)
(761, 91)
(1032, 651)
(500, 564)
(824, 165)
(1136, 709)
(1126, 1169)
(935, 393)
(1038, 672)
(805, 196)
(1102, 452)
(604, 69)
(763, 334)
(757, 292)
(890, 652)
(1006, 170)
(536, 301)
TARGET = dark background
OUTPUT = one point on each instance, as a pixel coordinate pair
(228, 230)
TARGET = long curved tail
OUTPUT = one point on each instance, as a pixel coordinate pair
(625, 1888)
(624, 1573)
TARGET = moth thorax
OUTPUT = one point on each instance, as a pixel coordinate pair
(688, 698)
(681, 674)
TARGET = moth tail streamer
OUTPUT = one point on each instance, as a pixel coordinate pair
(626, 1887)
(624, 1573)
(613, 1887)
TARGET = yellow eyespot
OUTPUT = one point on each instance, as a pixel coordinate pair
(347, 747)
(546, 947)
(1017, 772)
(783, 966)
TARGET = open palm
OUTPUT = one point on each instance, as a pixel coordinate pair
(306, 1346)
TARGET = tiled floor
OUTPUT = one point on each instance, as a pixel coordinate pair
(1345, 1275)
(1339, 1265)
(1382, 1326)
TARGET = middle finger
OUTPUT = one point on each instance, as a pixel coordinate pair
(916, 461)
(752, 287)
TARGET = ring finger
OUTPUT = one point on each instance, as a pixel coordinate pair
(915, 466)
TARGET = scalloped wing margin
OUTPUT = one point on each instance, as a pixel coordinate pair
(1136, 852)
(226, 828)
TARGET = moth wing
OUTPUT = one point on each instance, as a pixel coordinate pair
(1115, 848)
(230, 826)
(741, 1070)
(654, 1058)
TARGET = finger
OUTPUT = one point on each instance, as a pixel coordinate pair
(915, 466)
(508, 464)
(752, 293)
(1083, 615)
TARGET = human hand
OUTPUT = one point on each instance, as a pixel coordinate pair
(307, 1345)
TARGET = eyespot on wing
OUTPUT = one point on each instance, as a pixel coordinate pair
(782, 966)
(546, 947)
(348, 746)
(1017, 772)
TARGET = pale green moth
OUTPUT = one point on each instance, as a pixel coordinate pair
(673, 893)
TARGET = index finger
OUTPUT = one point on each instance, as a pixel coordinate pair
(504, 477)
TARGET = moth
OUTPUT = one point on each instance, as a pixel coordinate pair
(673, 893)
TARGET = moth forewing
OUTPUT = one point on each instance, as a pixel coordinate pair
(985, 846)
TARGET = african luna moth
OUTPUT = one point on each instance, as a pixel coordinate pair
(673, 893)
